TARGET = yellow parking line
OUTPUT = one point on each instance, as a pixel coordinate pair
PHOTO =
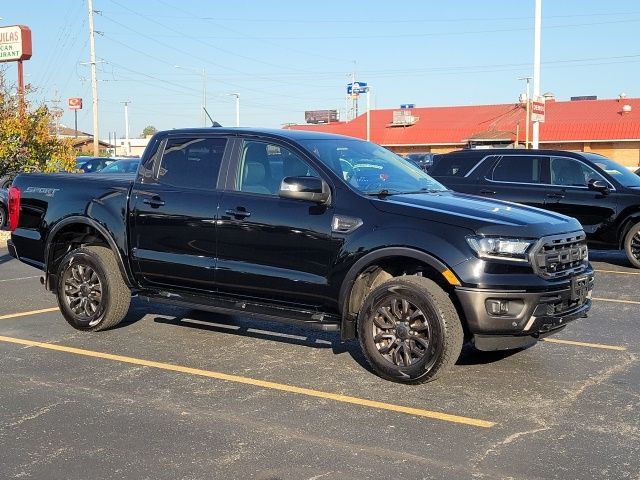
(585, 344)
(616, 271)
(257, 383)
(614, 300)
(26, 314)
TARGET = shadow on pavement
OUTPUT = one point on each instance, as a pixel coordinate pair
(265, 330)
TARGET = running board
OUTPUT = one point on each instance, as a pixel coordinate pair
(310, 319)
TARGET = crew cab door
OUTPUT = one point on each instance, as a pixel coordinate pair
(174, 206)
(569, 194)
(269, 247)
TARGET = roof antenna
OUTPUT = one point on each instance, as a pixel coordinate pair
(213, 122)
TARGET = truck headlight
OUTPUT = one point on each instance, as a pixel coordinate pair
(514, 249)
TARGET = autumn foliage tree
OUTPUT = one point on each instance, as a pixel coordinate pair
(27, 142)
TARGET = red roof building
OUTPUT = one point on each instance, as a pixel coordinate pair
(608, 127)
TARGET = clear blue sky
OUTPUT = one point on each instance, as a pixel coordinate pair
(285, 57)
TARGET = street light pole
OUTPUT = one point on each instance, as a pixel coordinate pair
(368, 113)
(126, 127)
(237, 95)
(536, 66)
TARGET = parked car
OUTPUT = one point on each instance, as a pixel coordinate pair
(270, 223)
(4, 207)
(603, 195)
(93, 164)
(122, 166)
(423, 160)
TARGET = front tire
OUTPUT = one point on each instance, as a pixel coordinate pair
(632, 245)
(91, 293)
(3, 217)
(409, 330)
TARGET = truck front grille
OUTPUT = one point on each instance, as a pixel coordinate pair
(559, 256)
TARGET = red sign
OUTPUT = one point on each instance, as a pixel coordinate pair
(537, 111)
(75, 103)
(15, 43)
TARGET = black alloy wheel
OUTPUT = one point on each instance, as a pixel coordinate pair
(402, 332)
(409, 330)
(92, 294)
(632, 245)
(83, 293)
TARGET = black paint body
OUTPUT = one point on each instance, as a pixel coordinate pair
(219, 243)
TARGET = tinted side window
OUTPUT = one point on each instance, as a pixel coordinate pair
(191, 162)
(453, 165)
(570, 172)
(518, 168)
(264, 165)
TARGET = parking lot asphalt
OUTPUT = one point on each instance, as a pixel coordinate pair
(173, 393)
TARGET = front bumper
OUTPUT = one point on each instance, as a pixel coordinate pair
(526, 315)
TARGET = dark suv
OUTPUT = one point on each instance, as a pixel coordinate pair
(603, 195)
(423, 160)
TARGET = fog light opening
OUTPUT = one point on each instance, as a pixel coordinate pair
(502, 307)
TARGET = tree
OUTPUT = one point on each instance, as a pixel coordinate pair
(27, 142)
(148, 131)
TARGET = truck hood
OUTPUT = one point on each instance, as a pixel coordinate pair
(483, 216)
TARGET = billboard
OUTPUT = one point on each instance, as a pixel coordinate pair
(75, 103)
(356, 88)
(321, 116)
(15, 43)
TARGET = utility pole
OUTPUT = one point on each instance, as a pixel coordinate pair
(527, 112)
(94, 80)
(57, 111)
(354, 98)
(126, 127)
(536, 66)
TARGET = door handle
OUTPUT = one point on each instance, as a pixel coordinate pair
(238, 213)
(155, 202)
(485, 191)
(558, 196)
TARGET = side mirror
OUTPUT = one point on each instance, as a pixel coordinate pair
(311, 189)
(598, 185)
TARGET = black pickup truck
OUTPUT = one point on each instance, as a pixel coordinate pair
(328, 231)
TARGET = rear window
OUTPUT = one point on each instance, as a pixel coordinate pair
(518, 169)
(453, 165)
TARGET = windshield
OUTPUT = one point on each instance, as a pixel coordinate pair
(370, 168)
(621, 174)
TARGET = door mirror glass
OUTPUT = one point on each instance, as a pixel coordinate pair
(598, 185)
(312, 189)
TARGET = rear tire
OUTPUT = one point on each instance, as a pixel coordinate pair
(632, 245)
(409, 330)
(91, 292)
(3, 217)
(5, 181)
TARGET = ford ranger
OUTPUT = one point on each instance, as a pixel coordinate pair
(327, 231)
